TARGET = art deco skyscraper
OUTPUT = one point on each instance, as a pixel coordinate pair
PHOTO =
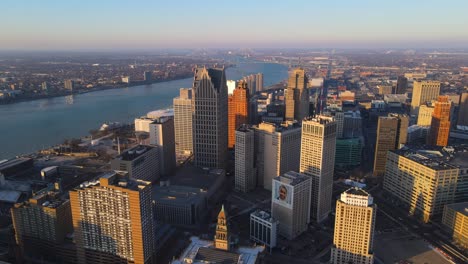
(318, 161)
(440, 124)
(113, 220)
(183, 122)
(210, 118)
(297, 95)
(391, 134)
(423, 92)
(354, 228)
(238, 110)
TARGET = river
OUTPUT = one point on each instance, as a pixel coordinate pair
(26, 127)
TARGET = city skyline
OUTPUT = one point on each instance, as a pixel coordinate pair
(116, 25)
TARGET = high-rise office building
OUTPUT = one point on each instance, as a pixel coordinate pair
(142, 124)
(455, 221)
(440, 124)
(424, 180)
(259, 82)
(297, 95)
(339, 119)
(147, 76)
(353, 238)
(222, 240)
(290, 203)
(250, 80)
(277, 150)
(245, 172)
(391, 134)
(463, 110)
(423, 92)
(141, 162)
(210, 118)
(113, 220)
(238, 110)
(69, 85)
(402, 85)
(42, 225)
(162, 136)
(425, 114)
(183, 122)
(318, 162)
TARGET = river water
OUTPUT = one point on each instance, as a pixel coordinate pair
(29, 126)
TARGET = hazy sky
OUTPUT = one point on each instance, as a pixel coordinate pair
(139, 24)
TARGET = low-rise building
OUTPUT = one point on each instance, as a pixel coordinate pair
(141, 162)
(455, 220)
(263, 228)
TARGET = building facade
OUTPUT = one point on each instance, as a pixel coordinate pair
(423, 92)
(113, 220)
(238, 108)
(353, 238)
(348, 152)
(259, 82)
(222, 239)
(183, 122)
(263, 228)
(277, 150)
(245, 172)
(210, 118)
(297, 96)
(290, 203)
(425, 114)
(463, 110)
(142, 124)
(162, 135)
(440, 125)
(141, 162)
(402, 85)
(318, 161)
(392, 132)
(455, 221)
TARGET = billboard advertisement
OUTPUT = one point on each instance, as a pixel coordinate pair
(283, 194)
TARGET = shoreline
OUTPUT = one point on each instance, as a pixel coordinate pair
(101, 88)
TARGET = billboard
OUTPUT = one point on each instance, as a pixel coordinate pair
(282, 194)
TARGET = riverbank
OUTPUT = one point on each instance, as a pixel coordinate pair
(95, 89)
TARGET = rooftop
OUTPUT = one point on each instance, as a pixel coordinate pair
(115, 178)
(357, 191)
(292, 178)
(200, 178)
(437, 158)
(177, 194)
(459, 207)
(134, 152)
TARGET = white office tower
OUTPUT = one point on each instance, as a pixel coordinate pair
(142, 124)
(263, 228)
(318, 161)
(183, 122)
(162, 136)
(290, 203)
(354, 228)
(278, 149)
(210, 118)
(231, 85)
(245, 173)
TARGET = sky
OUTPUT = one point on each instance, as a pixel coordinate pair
(154, 24)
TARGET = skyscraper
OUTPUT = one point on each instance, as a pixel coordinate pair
(238, 110)
(117, 226)
(210, 118)
(290, 203)
(463, 110)
(245, 172)
(278, 149)
(318, 161)
(147, 76)
(425, 114)
(250, 80)
(259, 82)
(402, 85)
(440, 124)
(141, 162)
(391, 133)
(297, 95)
(423, 91)
(162, 136)
(353, 238)
(183, 122)
(69, 85)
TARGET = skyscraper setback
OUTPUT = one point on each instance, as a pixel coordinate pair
(440, 124)
(354, 228)
(297, 95)
(238, 110)
(210, 118)
(318, 161)
(391, 133)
